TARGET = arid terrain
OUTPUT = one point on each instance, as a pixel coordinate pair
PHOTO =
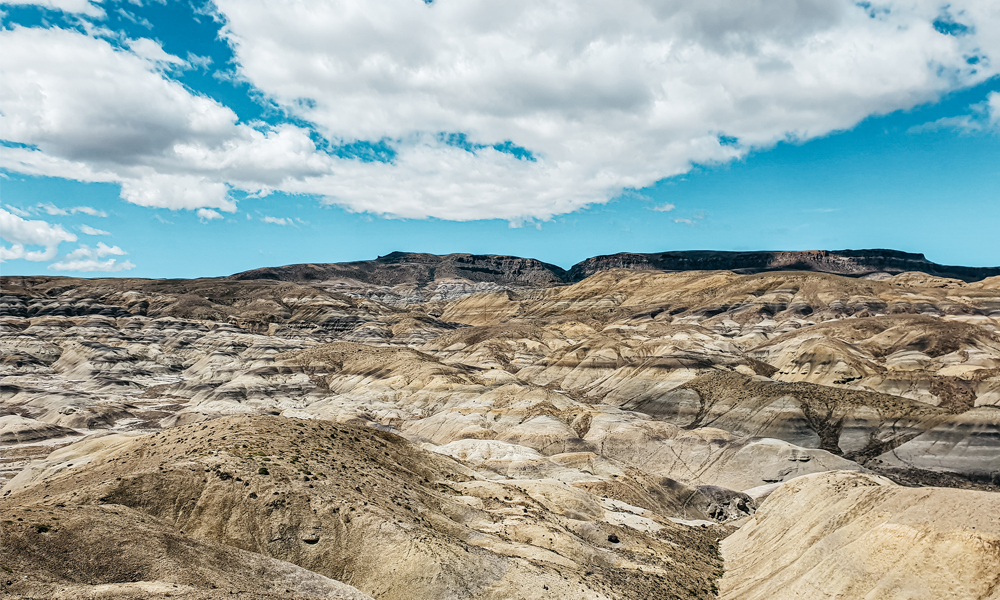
(771, 425)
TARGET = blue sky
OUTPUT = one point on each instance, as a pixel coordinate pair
(181, 140)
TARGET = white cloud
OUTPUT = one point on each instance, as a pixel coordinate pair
(993, 104)
(276, 220)
(17, 211)
(110, 265)
(21, 233)
(132, 125)
(963, 123)
(177, 192)
(54, 210)
(87, 229)
(137, 20)
(200, 62)
(85, 258)
(153, 52)
(982, 116)
(71, 6)
(685, 222)
(207, 214)
(102, 250)
(664, 207)
(123, 126)
(88, 210)
(605, 96)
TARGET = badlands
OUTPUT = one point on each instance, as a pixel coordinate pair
(678, 425)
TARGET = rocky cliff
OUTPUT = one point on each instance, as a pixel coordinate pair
(416, 269)
(852, 263)
(413, 268)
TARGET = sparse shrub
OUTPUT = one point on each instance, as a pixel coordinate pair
(263, 471)
(40, 528)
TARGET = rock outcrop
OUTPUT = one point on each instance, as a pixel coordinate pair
(852, 263)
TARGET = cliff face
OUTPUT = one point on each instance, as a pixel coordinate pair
(401, 268)
(854, 263)
(413, 268)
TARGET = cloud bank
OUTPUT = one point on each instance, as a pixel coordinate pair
(21, 232)
(85, 259)
(512, 110)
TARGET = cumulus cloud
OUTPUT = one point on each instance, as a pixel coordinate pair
(134, 126)
(516, 110)
(156, 190)
(664, 207)
(21, 232)
(276, 220)
(78, 99)
(111, 265)
(102, 250)
(125, 126)
(84, 258)
(87, 229)
(604, 96)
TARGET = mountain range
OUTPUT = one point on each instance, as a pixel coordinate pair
(408, 267)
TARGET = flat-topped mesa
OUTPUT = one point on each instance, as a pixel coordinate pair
(416, 268)
(402, 268)
(851, 263)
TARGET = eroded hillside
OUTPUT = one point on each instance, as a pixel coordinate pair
(469, 427)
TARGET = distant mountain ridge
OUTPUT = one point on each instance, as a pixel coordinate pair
(408, 267)
(850, 263)
(399, 268)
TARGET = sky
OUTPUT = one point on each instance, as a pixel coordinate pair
(191, 139)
